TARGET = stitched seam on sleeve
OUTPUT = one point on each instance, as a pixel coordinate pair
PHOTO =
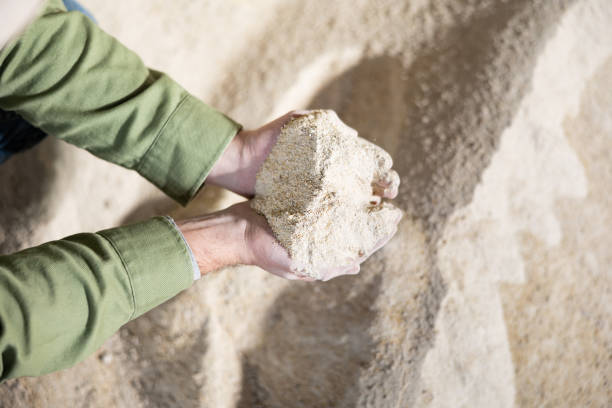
(161, 131)
(178, 236)
(129, 275)
(204, 174)
(53, 10)
(196, 269)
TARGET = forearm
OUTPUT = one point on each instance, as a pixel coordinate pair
(216, 240)
(71, 79)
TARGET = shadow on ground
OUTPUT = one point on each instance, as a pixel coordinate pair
(26, 180)
(435, 117)
(167, 366)
(328, 347)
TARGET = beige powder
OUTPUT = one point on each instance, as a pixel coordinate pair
(316, 191)
(471, 304)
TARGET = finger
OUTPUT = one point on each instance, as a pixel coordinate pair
(295, 271)
(282, 120)
(293, 114)
(378, 189)
(396, 216)
(381, 243)
(303, 277)
(292, 276)
(335, 272)
(387, 185)
(300, 112)
(383, 159)
(375, 199)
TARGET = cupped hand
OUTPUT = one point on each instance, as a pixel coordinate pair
(263, 250)
(237, 167)
(238, 235)
(261, 247)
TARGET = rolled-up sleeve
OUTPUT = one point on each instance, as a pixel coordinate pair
(68, 77)
(61, 300)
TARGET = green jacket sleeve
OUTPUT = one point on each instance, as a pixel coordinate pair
(74, 81)
(61, 300)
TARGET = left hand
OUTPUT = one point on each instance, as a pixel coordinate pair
(237, 167)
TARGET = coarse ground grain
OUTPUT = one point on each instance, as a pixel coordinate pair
(316, 191)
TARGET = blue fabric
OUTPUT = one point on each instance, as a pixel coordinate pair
(15, 133)
(72, 5)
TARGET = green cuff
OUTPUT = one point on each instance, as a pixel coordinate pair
(186, 148)
(156, 259)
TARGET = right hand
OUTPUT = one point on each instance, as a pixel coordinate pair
(238, 235)
(264, 251)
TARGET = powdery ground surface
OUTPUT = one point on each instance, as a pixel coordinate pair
(497, 291)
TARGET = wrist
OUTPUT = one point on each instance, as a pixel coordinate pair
(227, 171)
(216, 240)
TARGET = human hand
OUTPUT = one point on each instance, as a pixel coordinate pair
(237, 170)
(237, 167)
(238, 235)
